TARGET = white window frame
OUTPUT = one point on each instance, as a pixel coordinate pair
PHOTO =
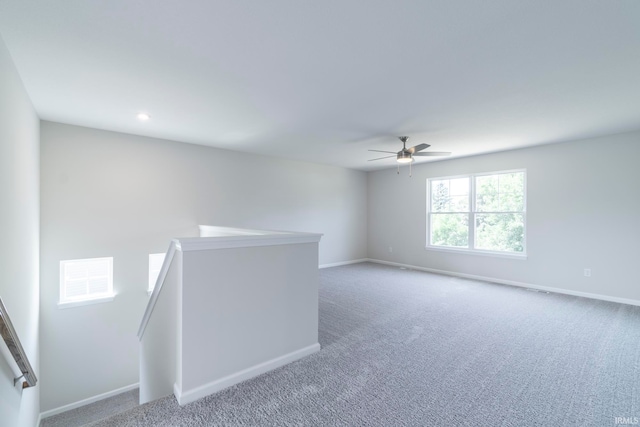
(108, 295)
(471, 213)
(153, 274)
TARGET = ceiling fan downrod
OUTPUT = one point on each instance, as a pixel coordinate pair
(404, 140)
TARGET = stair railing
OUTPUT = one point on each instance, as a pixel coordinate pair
(15, 348)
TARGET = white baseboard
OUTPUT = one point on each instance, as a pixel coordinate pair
(87, 401)
(512, 283)
(192, 395)
(338, 264)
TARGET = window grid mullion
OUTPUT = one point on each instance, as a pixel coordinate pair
(472, 210)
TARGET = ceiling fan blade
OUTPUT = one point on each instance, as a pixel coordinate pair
(433, 153)
(418, 147)
(381, 151)
(380, 158)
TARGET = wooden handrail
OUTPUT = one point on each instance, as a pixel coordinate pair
(157, 288)
(15, 348)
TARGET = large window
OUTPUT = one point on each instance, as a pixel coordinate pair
(85, 281)
(480, 213)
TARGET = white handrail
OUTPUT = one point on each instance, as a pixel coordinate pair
(15, 348)
(157, 288)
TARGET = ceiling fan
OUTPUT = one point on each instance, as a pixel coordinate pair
(406, 154)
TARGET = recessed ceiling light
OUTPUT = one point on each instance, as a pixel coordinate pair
(143, 117)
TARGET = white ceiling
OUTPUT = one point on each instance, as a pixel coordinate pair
(324, 81)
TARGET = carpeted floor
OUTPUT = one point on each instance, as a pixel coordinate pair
(408, 348)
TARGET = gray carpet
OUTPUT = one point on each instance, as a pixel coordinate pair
(407, 348)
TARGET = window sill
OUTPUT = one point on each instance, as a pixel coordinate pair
(71, 304)
(521, 257)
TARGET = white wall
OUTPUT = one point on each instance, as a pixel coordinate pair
(112, 194)
(583, 204)
(240, 322)
(19, 228)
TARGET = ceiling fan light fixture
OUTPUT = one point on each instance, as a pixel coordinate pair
(404, 157)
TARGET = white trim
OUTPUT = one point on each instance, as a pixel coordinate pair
(179, 314)
(87, 401)
(511, 255)
(338, 264)
(222, 242)
(189, 396)
(512, 283)
(218, 231)
(71, 304)
(39, 420)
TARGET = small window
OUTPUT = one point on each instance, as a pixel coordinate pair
(155, 265)
(85, 281)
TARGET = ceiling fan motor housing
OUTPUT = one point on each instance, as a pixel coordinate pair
(404, 157)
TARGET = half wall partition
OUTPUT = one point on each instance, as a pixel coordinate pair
(228, 306)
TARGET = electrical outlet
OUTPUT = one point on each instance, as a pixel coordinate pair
(587, 272)
(390, 249)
